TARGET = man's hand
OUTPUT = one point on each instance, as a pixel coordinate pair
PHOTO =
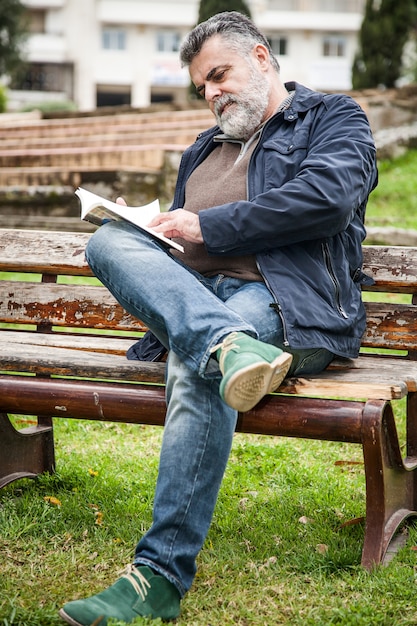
(178, 223)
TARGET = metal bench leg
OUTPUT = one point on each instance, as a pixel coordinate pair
(389, 482)
(25, 453)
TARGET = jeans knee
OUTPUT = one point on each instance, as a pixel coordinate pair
(98, 244)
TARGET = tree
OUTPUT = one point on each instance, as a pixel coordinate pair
(208, 8)
(385, 29)
(13, 30)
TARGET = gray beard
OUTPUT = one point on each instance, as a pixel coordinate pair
(248, 110)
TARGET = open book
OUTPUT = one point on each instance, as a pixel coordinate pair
(98, 210)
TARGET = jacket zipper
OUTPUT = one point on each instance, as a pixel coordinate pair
(275, 305)
(329, 267)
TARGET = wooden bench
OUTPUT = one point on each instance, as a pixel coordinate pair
(49, 369)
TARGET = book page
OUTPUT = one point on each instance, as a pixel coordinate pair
(97, 210)
(99, 207)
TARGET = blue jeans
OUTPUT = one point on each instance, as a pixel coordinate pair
(190, 314)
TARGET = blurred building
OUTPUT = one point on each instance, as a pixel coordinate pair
(111, 52)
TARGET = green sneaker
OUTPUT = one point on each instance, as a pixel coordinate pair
(251, 369)
(139, 592)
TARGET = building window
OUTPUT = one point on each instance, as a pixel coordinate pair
(334, 46)
(46, 77)
(110, 96)
(168, 41)
(278, 45)
(36, 21)
(113, 39)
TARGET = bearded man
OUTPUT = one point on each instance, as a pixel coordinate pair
(269, 206)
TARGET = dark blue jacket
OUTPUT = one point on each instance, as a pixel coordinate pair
(308, 183)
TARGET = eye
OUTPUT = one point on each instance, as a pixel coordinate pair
(219, 76)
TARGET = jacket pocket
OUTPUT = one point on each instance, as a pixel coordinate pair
(334, 280)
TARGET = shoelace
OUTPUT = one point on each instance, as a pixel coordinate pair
(137, 580)
(226, 345)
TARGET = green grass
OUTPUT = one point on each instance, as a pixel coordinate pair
(280, 549)
(394, 202)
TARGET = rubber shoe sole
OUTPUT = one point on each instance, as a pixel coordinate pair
(248, 385)
(69, 619)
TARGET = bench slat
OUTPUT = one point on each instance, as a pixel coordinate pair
(394, 268)
(83, 306)
(47, 360)
(389, 325)
(63, 252)
(80, 341)
(356, 384)
(43, 252)
(395, 377)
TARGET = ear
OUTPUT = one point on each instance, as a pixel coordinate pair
(261, 56)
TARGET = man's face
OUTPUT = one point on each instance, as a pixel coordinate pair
(235, 87)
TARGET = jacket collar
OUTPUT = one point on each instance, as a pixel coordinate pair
(304, 98)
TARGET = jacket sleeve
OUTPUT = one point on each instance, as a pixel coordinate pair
(148, 348)
(330, 170)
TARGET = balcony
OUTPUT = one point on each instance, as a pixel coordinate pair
(44, 4)
(318, 6)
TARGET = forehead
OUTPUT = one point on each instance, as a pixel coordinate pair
(215, 53)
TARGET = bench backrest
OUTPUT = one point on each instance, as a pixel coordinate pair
(45, 299)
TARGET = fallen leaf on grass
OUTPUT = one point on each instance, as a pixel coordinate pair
(52, 500)
(341, 463)
(97, 514)
(243, 503)
(26, 422)
(322, 548)
(270, 561)
(352, 522)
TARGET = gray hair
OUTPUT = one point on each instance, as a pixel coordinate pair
(235, 28)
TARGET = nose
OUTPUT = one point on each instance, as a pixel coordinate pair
(211, 92)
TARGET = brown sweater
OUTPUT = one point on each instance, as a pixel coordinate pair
(220, 179)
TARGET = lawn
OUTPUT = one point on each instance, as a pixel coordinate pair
(284, 546)
(394, 202)
(285, 543)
